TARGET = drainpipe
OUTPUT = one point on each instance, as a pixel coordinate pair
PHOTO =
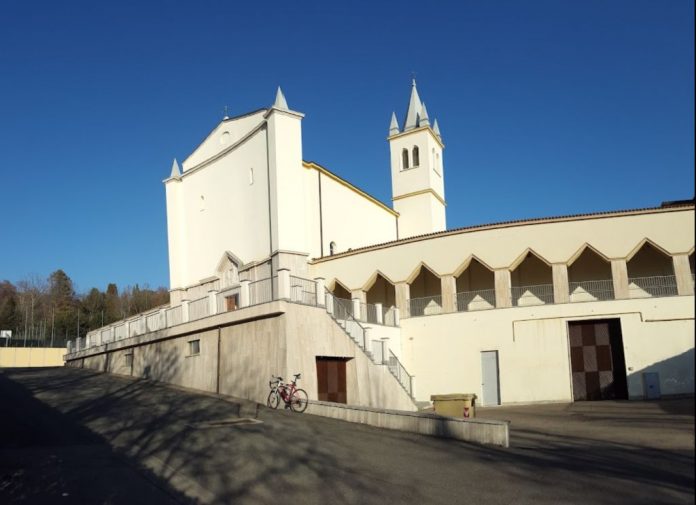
(217, 379)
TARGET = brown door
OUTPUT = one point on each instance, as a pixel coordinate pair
(597, 360)
(331, 379)
(231, 302)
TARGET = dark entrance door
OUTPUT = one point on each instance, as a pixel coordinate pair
(597, 360)
(331, 379)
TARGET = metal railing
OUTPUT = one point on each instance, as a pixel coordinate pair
(198, 309)
(656, 286)
(481, 299)
(590, 291)
(336, 307)
(425, 306)
(398, 371)
(303, 291)
(262, 291)
(368, 313)
(540, 294)
(389, 316)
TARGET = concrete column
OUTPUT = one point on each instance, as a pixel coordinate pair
(403, 295)
(682, 271)
(503, 285)
(113, 333)
(244, 299)
(329, 303)
(561, 288)
(184, 311)
(368, 340)
(380, 315)
(619, 276)
(359, 294)
(413, 386)
(212, 299)
(397, 317)
(126, 327)
(283, 284)
(162, 318)
(321, 291)
(448, 286)
(356, 309)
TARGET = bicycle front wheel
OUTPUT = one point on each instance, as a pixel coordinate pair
(273, 399)
(299, 401)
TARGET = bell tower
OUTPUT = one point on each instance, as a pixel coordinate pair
(418, 188)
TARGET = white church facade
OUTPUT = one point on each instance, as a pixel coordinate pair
(384, 306)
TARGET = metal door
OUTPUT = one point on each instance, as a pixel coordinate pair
(489, 378)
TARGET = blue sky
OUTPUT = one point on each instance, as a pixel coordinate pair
(545, 107)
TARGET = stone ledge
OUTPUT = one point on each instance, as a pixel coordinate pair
(481, 431)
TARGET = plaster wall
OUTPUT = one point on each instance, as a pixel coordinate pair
(31, 356)
(443, 351)
(219, 208)
(347, 218)
(499, 247)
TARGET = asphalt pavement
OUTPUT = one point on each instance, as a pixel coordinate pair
(78, 436)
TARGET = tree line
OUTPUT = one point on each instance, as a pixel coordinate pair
(48, 312)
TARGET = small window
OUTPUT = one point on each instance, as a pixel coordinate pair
(251, 176)
(332, 248)
(129, 360)
(232, 302)
(194, 347)
(404, 159)
(416, 156)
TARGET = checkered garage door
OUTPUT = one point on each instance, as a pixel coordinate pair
(591, 361)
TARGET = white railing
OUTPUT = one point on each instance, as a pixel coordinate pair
(174, 316)
(105, 335)
(198, 309)
(590, 291)
(120, 331)
(656, 286)
(154, 322)
(425, 306)
(540, 294)
(481, 299)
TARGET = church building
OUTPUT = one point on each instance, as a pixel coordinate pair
(385, 306)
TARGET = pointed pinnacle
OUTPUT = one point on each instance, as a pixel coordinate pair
(394, 126)
(436, 129)
(176, 172)
(280, 102)
(424, 121)
(414, 106)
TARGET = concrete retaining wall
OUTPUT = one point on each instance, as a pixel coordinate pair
(481, 431)
(31, 356)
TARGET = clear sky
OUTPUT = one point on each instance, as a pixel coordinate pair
(545, 107)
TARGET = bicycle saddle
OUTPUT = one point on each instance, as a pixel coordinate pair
(298, 375)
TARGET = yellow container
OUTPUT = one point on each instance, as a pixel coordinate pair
(455, 405)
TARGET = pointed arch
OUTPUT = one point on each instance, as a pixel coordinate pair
(373, 278)
(516, 263)
(416, 271)
(582, 249)
(381, 290)
(339, 290)
(415, 156)
(404, 159)
(642, 243)
(465, 264)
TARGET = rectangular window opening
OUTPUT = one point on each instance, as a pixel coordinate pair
(194, 347)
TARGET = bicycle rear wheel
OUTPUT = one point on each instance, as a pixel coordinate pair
(299, 400)
(273, 399)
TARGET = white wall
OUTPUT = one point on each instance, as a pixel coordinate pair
(444, 352)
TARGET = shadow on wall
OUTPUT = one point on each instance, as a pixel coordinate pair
(675, 376)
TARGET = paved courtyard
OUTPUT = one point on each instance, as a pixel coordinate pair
(77, 436)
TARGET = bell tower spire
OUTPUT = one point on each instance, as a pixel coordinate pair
(418, 189)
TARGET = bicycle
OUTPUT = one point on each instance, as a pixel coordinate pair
(295, 399)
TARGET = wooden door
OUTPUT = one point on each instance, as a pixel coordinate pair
(331, 379)
(231, 302)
